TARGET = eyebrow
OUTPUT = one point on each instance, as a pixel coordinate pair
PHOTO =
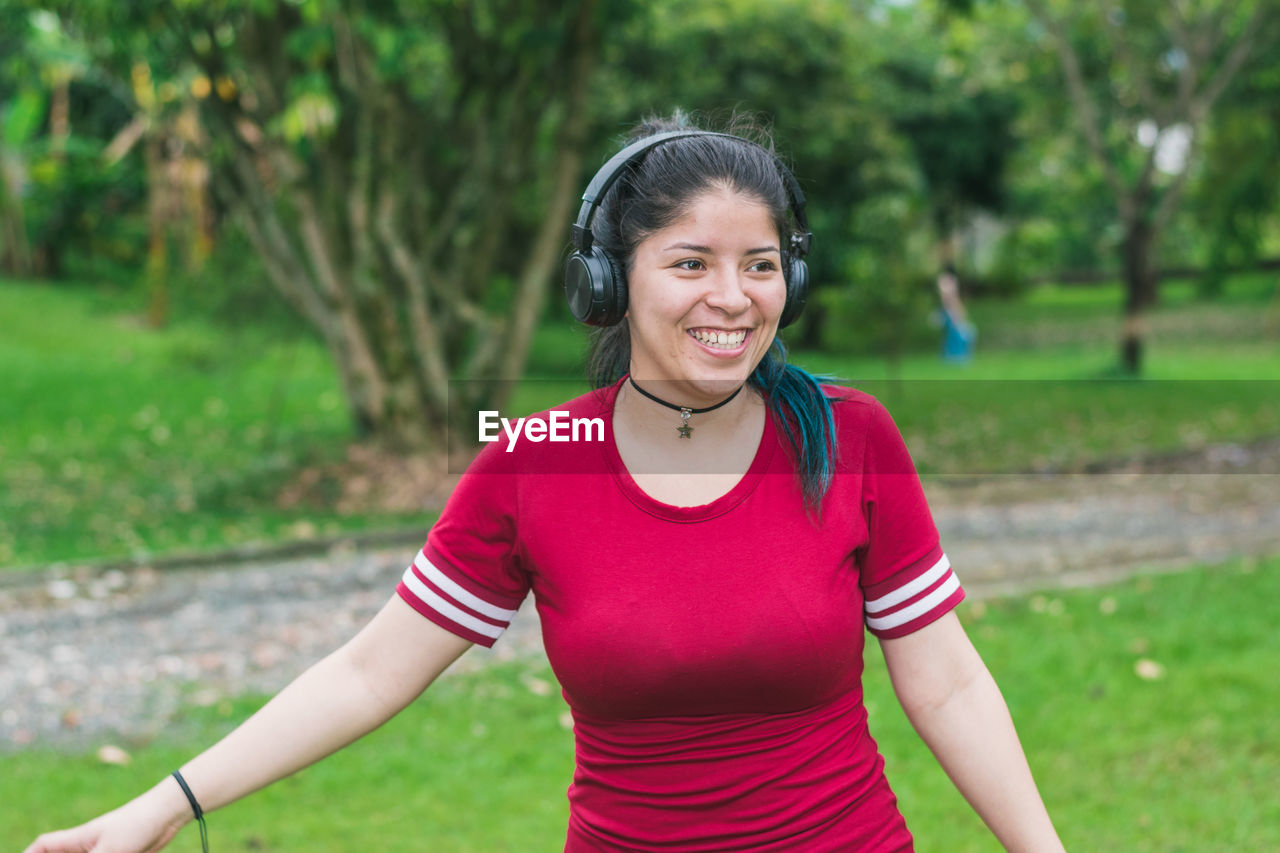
(706, 250)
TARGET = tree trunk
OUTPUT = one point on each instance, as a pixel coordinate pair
(60, 116)
(1140, 281)
(15, 249)
(15, 255)
(393, 227)
(157, 267)
(546, 249)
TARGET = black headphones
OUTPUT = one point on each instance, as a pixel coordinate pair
(595, 283)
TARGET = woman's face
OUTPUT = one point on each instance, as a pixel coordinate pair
(704, 298)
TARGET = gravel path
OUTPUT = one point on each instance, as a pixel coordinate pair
(87, 657)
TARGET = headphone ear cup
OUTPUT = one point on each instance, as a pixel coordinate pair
(618, 304)
(797, 291)
(595, 288)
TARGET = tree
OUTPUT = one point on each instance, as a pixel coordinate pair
(18, 119)
(1238, 195)
(56, 112)
(22, 108)
(957, 119)
(167, 126)
(1143, 79)
(405, 170)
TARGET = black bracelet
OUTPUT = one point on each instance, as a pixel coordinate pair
(195, 807)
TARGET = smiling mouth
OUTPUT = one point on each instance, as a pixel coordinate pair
(718, 339)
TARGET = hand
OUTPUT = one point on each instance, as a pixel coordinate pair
(142, 825)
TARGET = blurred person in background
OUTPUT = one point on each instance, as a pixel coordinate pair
(958, 333)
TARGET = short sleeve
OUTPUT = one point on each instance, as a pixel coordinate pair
(467, 578)
(906, 579)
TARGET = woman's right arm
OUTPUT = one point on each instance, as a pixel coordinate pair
(342, 697)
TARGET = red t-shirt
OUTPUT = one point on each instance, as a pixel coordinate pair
(711, 655)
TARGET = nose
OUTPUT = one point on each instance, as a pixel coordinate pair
(728, 292)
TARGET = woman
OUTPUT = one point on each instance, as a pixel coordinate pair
(958, 332)
(703, 573)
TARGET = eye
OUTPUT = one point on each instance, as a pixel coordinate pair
(690, 265)
(763, 266)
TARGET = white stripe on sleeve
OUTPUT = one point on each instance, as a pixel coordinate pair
(916, 610)
(459, 594)
(433, 600)
(907, 590)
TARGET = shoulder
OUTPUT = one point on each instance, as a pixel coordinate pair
(865, 431)
(856, 412)
(850, 400)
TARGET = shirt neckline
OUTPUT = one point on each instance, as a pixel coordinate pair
(643, 500)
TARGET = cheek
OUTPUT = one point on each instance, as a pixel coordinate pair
(772, 299)
(659, 305)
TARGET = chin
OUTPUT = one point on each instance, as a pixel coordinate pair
(719, 383)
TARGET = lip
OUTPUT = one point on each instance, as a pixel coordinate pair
(723, 353)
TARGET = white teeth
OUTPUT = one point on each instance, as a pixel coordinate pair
(727, 340)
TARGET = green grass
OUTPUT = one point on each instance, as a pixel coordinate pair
(117, 440)
(120, 440)
(1042, 391)
(478, 764)
(1185, 762)
(1182, 762)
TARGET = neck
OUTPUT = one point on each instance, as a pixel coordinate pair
(651, 412)
(723, 442)
(680, 407)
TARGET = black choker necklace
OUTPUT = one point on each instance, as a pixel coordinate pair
(684, 429)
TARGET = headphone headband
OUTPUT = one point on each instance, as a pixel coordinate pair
(613, 169)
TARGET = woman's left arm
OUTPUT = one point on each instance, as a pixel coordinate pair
(957, 709)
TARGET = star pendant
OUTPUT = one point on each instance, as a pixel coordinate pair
(685, 431)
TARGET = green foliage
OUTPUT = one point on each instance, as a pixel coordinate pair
(1143, 80)
(1238, 196)
(802, 66)
(890, 113)
(962, 148)
(84, 219)
(230, 291)
(23, 117)
(922, 106)
(392, 163)
(885, 308)
(78, 214)
(1005, 278)
(959, 126)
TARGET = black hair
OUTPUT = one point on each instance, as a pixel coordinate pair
(657, 191)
